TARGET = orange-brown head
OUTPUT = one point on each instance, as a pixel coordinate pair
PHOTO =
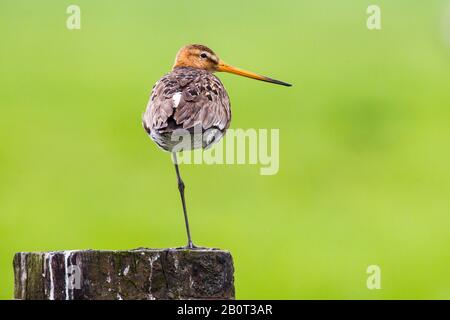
(201, 57)
(197, 56)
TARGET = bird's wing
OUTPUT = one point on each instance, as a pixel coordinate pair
(186, 98)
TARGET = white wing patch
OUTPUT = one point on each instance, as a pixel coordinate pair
(176, 99)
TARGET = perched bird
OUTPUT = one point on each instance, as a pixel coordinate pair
(189, 107)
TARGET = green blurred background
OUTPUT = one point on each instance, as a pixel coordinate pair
(364, 140)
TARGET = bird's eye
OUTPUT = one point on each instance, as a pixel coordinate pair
(203, 55)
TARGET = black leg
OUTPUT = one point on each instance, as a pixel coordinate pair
(183, 201)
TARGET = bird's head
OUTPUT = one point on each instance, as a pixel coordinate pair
(197, 56)
(201, 57)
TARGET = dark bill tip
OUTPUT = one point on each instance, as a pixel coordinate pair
(281, 83)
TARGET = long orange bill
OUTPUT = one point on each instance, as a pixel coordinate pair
(227, 68)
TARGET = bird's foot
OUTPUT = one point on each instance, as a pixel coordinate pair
(192, 246)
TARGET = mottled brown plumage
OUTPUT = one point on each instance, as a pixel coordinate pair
(200, 103)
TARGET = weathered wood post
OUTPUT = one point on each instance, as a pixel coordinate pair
(134, 274)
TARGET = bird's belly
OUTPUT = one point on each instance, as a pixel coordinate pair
(180, 140)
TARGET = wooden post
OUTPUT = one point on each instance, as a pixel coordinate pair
(135, 274)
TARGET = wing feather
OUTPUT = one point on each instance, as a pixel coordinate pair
(203, 101)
